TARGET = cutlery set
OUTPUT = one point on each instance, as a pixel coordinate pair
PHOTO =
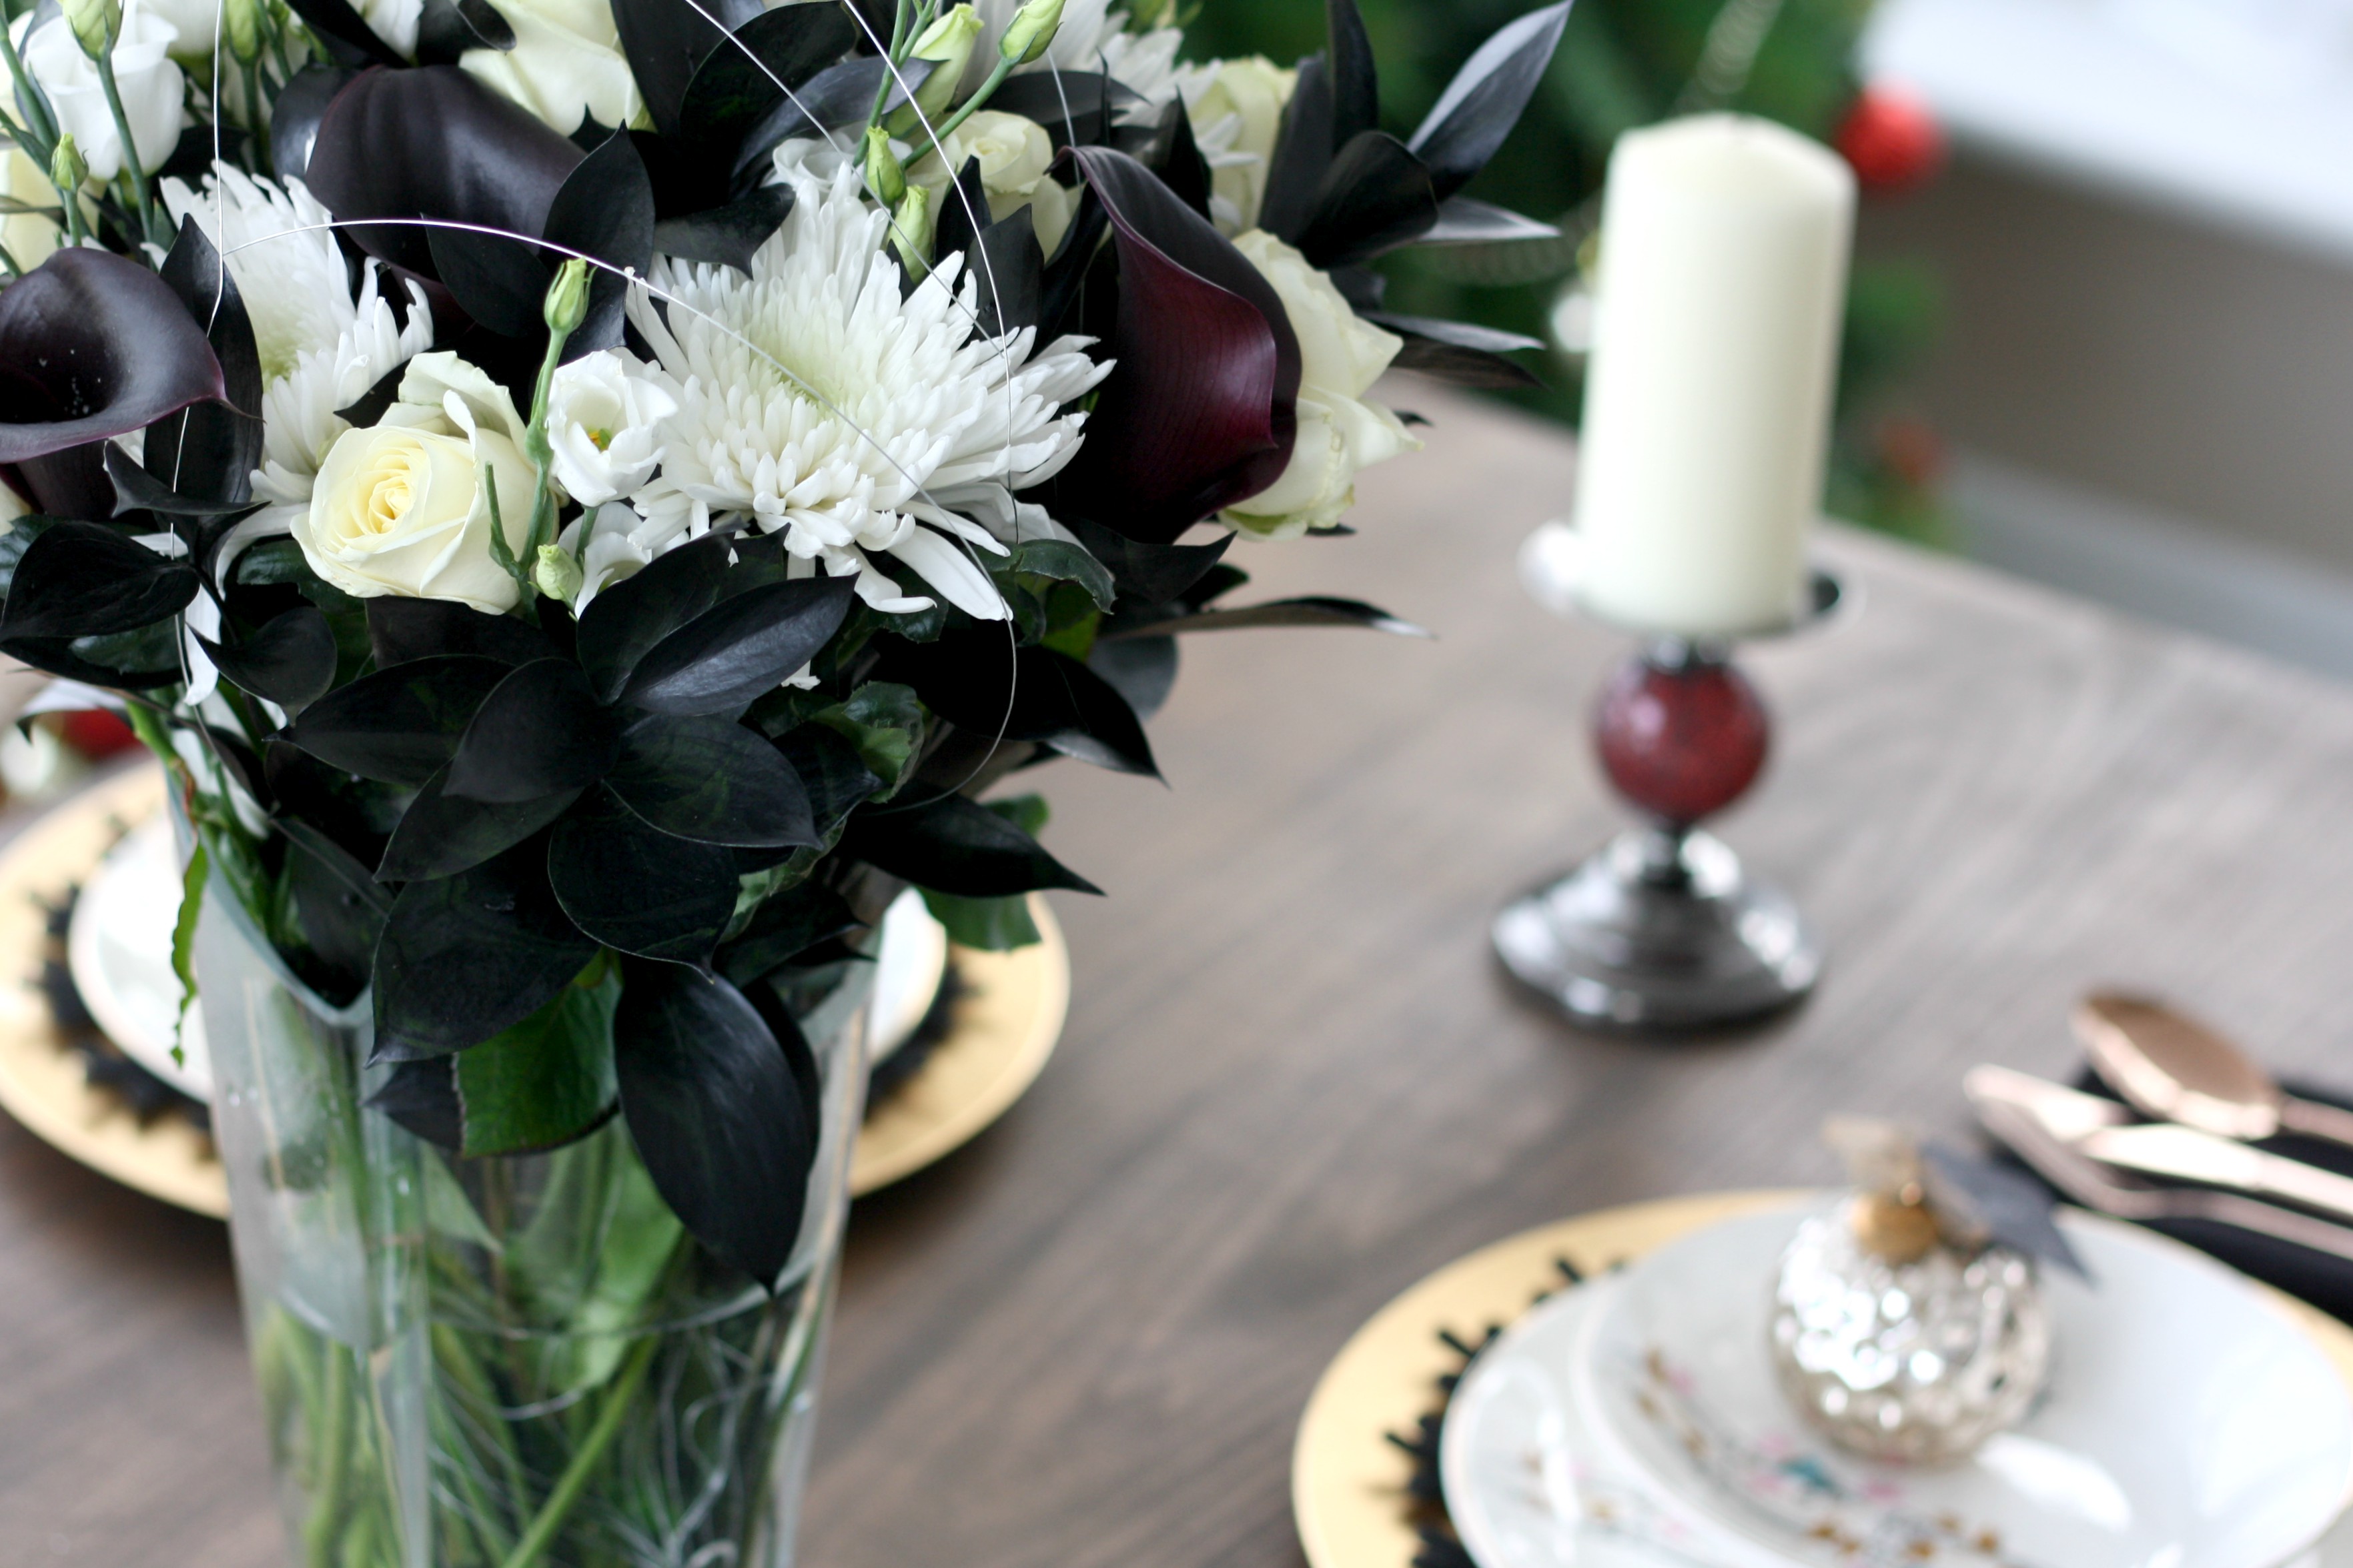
(2208, 1098)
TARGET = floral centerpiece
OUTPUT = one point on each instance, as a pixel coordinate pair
(586, 499)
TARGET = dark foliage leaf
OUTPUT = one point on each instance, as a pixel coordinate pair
(1312, 610)
(1148, 574)
(963, 212)
(1077, 258)
(1484, 101)
(1461, 363)
(604, 210)
(423, 1097)
(1141, 669)
(829, 100)
(1076, 108)
(634, 887)
(975, 681)
(355, 813)
(1356, 82)
(667, 42)
(1464, 334)
(1303, 151)
(740, 84)
(1461, 220)
(740, 649)
(727, 234)
(401, 725)
(1375, 197)
(446, 29)
(545, 1082)
(93, 345)
(84, 579)
(463, 957)
(784, 927)
(434, 143)
(712, 779)
(1176, 158)
(368, 407)
(339, 911)
(1360, 286)
(137, 490)
(441, 834)
(290, 661)
(499, 282)
(294, 116)
(209, 450)
(717, 1114)
(832, 773)
(956, 846)
(629, 618)
(1011, 270)
(70, 484)
(60, 656)
(1062, 560)
(1201, 410)
(538, 732)
(345, 33)
(402, 629)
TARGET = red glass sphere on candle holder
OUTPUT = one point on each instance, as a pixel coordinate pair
(1682, 740)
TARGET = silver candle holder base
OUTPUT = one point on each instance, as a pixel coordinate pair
(1662, 930)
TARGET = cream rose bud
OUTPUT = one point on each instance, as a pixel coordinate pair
(604, 413)
(1014, 153)
(1236, 108)
(1340, 357)
(152, 88)
(566, 65)
(402, 508)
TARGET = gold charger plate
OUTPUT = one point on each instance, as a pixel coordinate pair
(1348, 1481)
(1006, 1026)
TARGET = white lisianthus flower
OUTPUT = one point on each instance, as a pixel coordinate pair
(1014, 154)
(403, 508)
(1091, 37)
(566, 65)
(1340, 357)
(1237, 111)
(152, 88)
(30, 237)
(602, 411)
(194, 23)
(394, 21)
(320, 345)
(816, 401)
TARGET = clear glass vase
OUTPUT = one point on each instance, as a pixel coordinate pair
(518, 1361)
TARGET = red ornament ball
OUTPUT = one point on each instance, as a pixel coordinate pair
(1891, 140)
(1681, 743)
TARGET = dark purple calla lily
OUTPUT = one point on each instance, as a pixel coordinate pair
(92, 345)
(1202, 409)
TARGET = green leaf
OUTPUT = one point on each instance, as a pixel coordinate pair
(273, 561)
(546, 1080)
(1063, 562)
(448, 1211)
(184, 942)
(1030, 813)
(992, 925)
(637, 1245)
(885, 722)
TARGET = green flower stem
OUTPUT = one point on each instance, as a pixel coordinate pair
(541, 454)
(142, 199)
(41, 119)
(591, 1452)
(902, 33)
(467, 1374)
(997, 75)
(334, 1458)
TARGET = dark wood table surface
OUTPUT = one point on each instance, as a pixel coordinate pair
(1293, 1081)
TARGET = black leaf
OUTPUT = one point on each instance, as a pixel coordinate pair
(712, 779)
(1075, 107)
(637, 889)
(1141, 669)
(717, 1114)
(346, 32)
(1149, 574)
(339, 911)
(441, 834)
(422, 1096)
(1355, 83)
(785, 926)
(975, 681)
(830, 100)
(724, 659)
(1375, 197)
(136, 489)
(83, 579)
(401, 725)
(401, 630)
(633, 614)
(740, 84)
(728, 235)
(355, 813)
(502, 283)
(666, 42)
(604, 210)
(538, 732)
(464, 956)
(830, 772)
(1314, 610)
(295, 113)
(1011, 270)
(209, 450)
(446, 29)
(1303, 151)
(963, 213)
(1484, 101)
(1464, 221)
(956, 846)
(290, 661)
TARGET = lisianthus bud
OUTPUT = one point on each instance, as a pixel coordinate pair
(1031, 32)
(567, 298)
(948, 43)
(67, 169)
(885, 176)
(241, 21)
(555, 574)
(910, 230)
(96, 24)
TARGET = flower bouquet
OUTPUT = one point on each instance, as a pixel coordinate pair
(585, 500)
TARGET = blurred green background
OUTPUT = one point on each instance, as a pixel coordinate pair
(1622, 64)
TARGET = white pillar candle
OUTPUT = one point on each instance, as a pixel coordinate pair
(1707, 394)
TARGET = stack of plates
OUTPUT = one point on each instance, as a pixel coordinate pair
(1633, 1421)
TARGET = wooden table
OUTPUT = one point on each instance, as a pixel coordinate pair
(1293, 1080)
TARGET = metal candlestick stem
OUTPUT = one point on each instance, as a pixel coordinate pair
(1661, 929)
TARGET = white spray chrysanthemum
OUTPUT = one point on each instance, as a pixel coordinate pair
(817, 402)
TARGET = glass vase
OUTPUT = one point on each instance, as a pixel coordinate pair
(516, 1362)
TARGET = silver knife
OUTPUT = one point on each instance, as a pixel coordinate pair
(2163, 1149)
(2066, 1114)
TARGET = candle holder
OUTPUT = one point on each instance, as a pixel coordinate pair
(1661, 929)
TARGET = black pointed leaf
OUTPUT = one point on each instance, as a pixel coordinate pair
(290, 661)
(401, 725)
(465, 956)
(633, 614)
(446, 29)
(136, 489)
(975, 681)
(717, 1114)
(1484, 101)
(356, 813)
(666, 42)
(93, 345)
(368, 407)
(740, 84)
(634, 887)
(828, 102)
(831, 772)
(963, 212)
(730, 234)
(1375, 197)
(1011, 270)
(401, 630)
(604, 210)
(340, 912)
(712, 779)
(956, 846)
(502, 283)
(1461, 220)
(538, 732)
(295, 114)
(1149, 574)
(441, 834)
(85, 579)
(1355, 83)
(1466, 334)
(740, 649)
(346, 33)
(1141, 669)
(1077, 108)
(209, 450)
(1314, 610)
(422, 1096)
(1461, 353)
(1303, 151)
(785, 926)
(57, 656)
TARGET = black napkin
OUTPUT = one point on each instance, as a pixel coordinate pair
(2322, 1278)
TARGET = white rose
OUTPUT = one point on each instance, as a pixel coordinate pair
(400, 508)
(152, 90)
(603, 414)
(1340, 357)
(1237, 111)
(566, 64)
(194, 23)
(1014, 154)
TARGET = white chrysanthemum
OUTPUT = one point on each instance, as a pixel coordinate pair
(817, 402)
(321, 347)
(1091, 37)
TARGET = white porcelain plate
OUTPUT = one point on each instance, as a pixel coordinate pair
(2188, 1422)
